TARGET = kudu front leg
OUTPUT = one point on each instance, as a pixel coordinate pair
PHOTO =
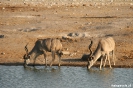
(34, 62)
(53, 58)
(105, 60)
(101, 62)
(59, 55)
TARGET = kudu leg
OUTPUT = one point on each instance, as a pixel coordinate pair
(34, 62)
(45, 57)
(113, 54)
(53, 58)
(109, 60)
(59, 59)
(105, 60)
(101, 63)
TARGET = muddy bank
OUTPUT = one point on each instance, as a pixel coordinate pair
(19, 26)
(74, 64)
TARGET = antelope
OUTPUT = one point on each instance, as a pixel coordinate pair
(42, 46)
(105, 46)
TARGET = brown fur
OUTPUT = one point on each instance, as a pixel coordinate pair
(42, 46)
(105, 46)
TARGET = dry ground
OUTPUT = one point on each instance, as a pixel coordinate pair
(25, 24)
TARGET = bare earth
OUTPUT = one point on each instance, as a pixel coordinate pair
(25, 24)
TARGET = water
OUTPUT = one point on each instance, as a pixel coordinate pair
(64, 77)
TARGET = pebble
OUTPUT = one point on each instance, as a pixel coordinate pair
(72, 54)
(78, 34)
(3, 8)
(1, 36)
(2, 53)
(66, 52)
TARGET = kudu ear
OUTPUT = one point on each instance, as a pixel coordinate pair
(28, 56)
(92, 57)
(60, 52)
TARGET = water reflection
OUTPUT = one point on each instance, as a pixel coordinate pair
(43, 69)
(63, 77)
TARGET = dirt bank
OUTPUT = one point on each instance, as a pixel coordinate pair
(25, 24)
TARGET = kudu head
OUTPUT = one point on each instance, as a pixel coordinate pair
(26, 57)
(90, 56)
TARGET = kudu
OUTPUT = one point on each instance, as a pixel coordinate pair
(105, 46)
(42, 46)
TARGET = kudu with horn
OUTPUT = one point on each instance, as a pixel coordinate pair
(105, 46)
(42, 46)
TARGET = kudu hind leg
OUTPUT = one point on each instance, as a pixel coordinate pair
(45, 57)
(113, 54)
(53, 58)
(109, 60)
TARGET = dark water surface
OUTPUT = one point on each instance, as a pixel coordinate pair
(65, 77)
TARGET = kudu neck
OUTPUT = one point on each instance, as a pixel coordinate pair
(97, 53)
(33, 54)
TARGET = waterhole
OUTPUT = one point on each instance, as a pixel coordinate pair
(64, 77)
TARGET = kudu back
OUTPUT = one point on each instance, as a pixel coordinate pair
(42, 46)
(105, 46)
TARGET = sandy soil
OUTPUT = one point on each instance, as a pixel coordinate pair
(25, 24)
